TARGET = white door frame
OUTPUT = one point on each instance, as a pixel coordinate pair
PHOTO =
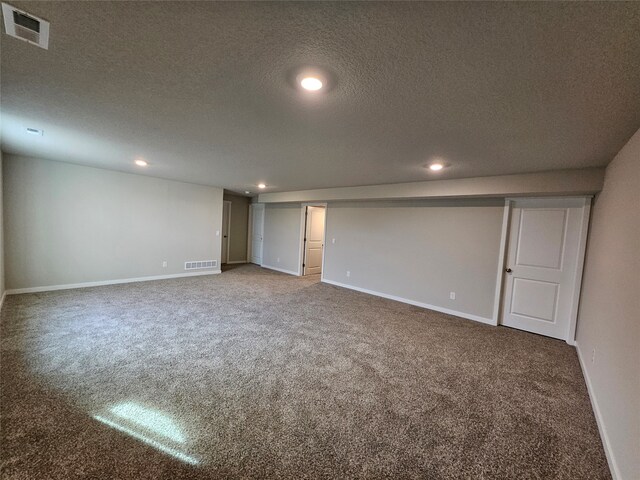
(302, 232)
(252, 207)
(585, 203)
(228, 229)
(249, 232)
(504, 236)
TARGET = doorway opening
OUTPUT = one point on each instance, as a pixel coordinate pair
(226, 231)
(313, 239)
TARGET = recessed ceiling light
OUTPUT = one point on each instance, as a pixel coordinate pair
(262, 185)
(436, 166)
(141, 163)
(311, 83)
(35, 131)
(247, 192)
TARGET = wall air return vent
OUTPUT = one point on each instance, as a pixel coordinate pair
(24, 26)
(200, 264)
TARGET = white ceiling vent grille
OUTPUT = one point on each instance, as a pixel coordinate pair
(196, 265)
(27, 27)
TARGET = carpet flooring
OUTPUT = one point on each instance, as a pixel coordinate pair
(257, 374)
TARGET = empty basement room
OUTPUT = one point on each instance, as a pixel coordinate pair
(320, 240)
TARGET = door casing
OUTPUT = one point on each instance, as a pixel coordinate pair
(584, 203)
(307, 241)
(226, 232)
(255, 209)
(302, 232)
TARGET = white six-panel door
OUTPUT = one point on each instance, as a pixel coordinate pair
(542, 266)
(314, 240)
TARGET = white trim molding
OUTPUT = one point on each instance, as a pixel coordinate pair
(468, 316)
(224, 203)
(282, 270)
(69, 286)
(234, 262)
(303, 211)
(606, 443)
(253, 208)
(497, 299)
(4, 295)
(582, 248)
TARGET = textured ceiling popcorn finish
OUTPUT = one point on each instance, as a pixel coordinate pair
(206, 91)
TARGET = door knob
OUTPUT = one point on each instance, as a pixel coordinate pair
(508, 270)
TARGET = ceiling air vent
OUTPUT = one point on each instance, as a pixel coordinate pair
(23, 25)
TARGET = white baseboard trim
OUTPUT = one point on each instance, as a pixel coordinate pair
(4, 295)
(290, 272)
(468, 316)
(69, 286)
(613, 466)
(236, 261)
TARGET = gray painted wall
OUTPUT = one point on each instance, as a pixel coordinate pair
(1, 231)
(609, 318)
(239, 227)
(70, 224)
(281, 238)
(419, 251)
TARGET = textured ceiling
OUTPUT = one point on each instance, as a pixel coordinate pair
(204, 91)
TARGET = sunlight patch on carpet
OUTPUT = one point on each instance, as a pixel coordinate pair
(149, 426)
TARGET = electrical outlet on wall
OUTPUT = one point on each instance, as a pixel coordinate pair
(333, 240)
(164, 264)
(278, 260)
(348, 273)
(452, 295)
(593, 356)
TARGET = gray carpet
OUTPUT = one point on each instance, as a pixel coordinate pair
(256, 374)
